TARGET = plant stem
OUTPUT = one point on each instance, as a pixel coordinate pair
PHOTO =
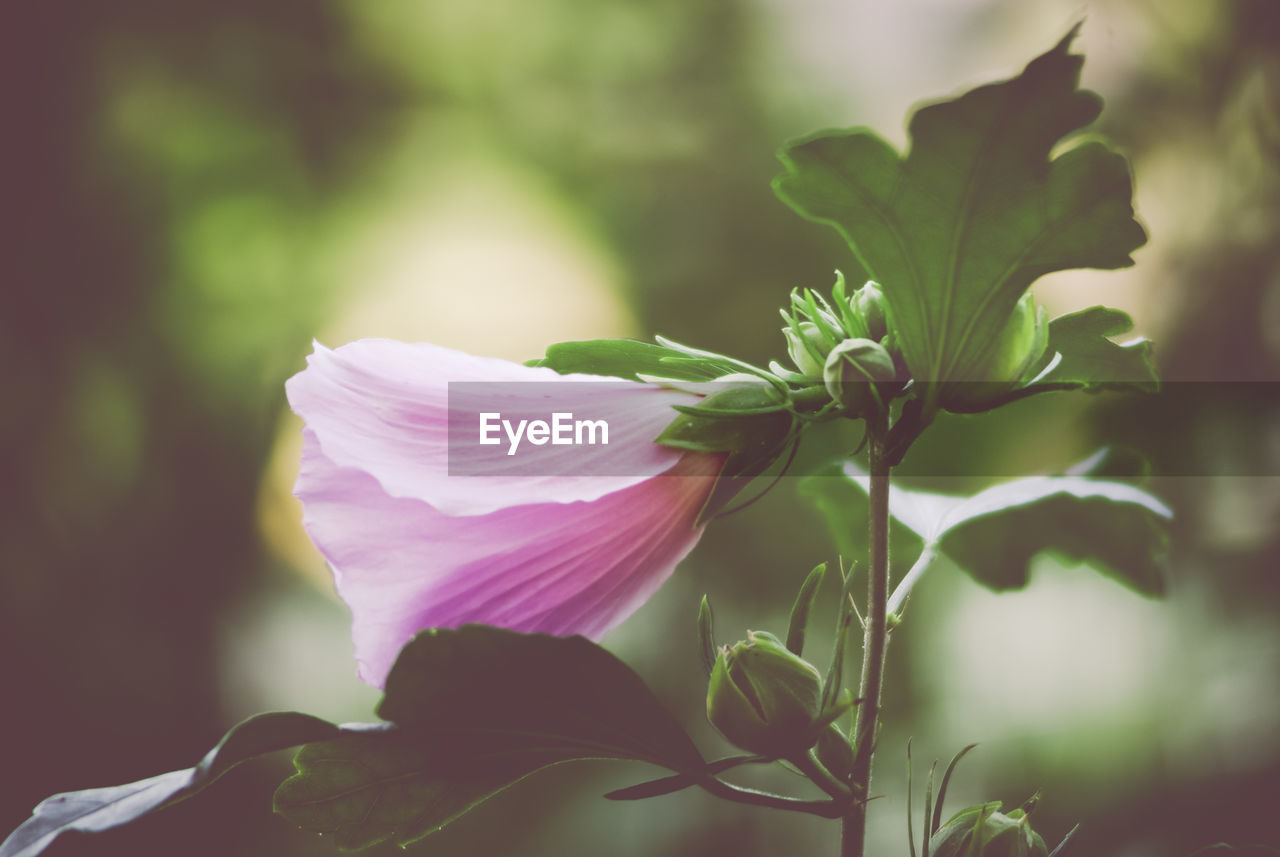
(875, 641)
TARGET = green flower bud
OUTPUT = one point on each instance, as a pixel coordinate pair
(984, 831)
(890, 343)
(1016, 351)
(764, 698)
(835, 753)
(807, 348)
(1020, 345)
(850, 369)
(868, 304)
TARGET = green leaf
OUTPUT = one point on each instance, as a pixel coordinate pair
(96, 810)
(1091, 361)
(803, 606)
(994, 534)
(1080, 356)
(362, 789)
(957, 231)
(628, 358)
(476, 710)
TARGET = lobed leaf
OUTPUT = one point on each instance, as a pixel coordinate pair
(1081, 356)
(957, 231)
(994, 534)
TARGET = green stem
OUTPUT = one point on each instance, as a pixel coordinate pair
(875, 641)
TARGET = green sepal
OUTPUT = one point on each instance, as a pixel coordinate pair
(629, 359)
(802, 607)
(706, 635)
(748, 422)
(834, 680)
(936, 821)
(984, 831)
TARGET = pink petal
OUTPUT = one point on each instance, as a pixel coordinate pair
(562, 568)
(383, 407)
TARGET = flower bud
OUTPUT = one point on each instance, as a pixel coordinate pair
(984, 831)
(868, 304)
(807, 348)
(1020, 345)
(764, 698)
(835, 752)
(1017, 349)
(850, 369)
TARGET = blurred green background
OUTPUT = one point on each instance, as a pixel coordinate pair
(196, 190)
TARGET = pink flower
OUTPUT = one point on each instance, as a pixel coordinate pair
(542, 544)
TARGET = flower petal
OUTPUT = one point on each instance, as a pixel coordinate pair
(383, 407)
(562, 568)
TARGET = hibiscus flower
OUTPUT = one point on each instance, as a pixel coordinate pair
(564, 539)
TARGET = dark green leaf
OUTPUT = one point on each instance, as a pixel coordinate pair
(994, 534)
(957, 231)
(365, 788)
(1126, 537)
(478, 709)
(95, 810)
(573, 696)
(628, 358)
(805, 599)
